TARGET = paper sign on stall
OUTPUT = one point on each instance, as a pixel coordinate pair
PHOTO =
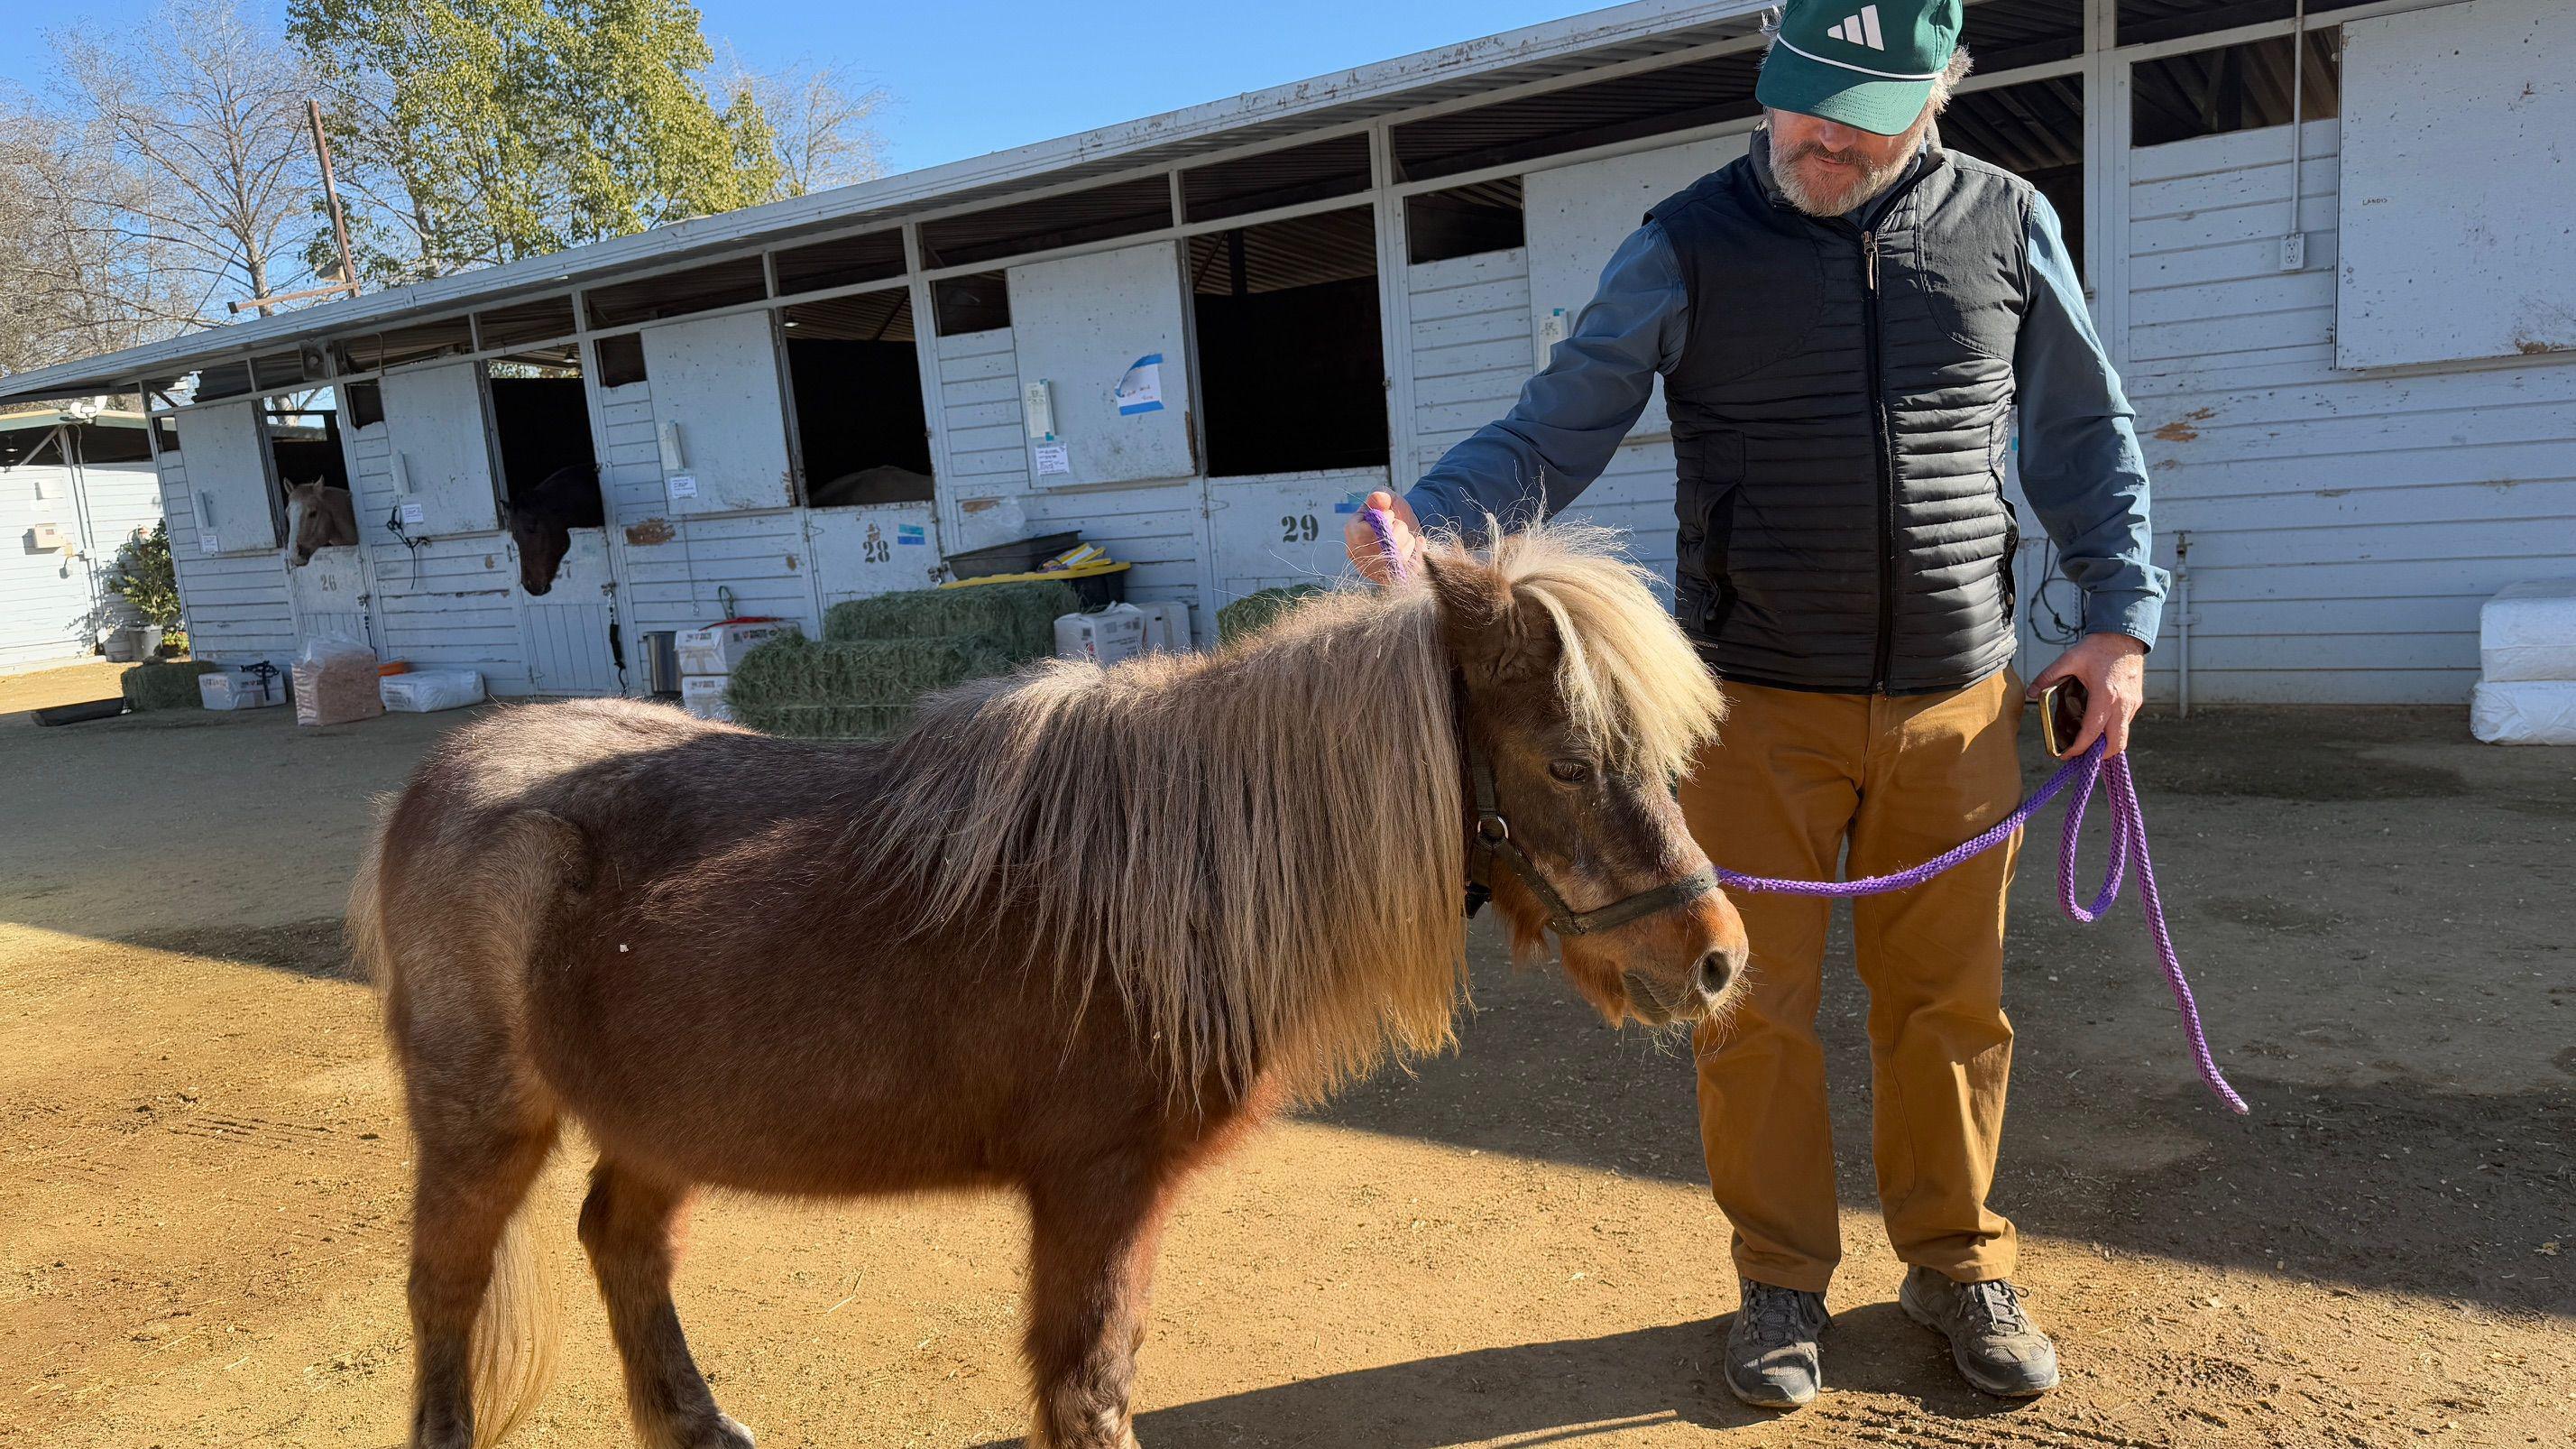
(684, 485)
(1141, 390)
(1053, 459)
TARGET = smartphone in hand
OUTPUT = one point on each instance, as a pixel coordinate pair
(2061, 716)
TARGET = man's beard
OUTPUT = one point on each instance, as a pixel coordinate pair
(1829, 191)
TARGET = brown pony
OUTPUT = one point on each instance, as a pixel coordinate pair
(1070, 936)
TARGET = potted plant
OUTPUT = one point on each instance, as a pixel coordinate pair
(144, 578)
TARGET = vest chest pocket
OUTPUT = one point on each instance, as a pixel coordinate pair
(1971, 287)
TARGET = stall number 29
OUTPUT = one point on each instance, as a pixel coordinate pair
(1298, 528)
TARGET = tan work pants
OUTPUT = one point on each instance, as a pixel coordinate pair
(1793, 778)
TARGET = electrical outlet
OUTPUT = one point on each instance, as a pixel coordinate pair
(2294, 252)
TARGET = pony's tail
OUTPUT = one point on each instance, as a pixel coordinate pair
(363, 928)
(512, 1359)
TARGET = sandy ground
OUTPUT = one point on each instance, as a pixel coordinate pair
(202, 1205)
(27, 689)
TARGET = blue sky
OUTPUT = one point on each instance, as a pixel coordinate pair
(971, 76)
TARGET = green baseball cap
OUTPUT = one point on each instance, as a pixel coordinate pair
(1865, 63)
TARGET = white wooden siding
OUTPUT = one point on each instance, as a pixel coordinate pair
(445, 604)
(680, 570)
(235, 605)
(50, 600)
(2344, 525)
(1472, 351)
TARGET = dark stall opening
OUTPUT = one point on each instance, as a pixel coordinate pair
(862, 430)
(304, 449)
(541, 422)
(1291, 364)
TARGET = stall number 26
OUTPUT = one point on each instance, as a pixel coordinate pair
(1298, 528)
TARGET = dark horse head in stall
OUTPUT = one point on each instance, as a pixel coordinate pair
(542, 522)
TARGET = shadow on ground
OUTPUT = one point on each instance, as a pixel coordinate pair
(1566, 1391)
(2398, 1016)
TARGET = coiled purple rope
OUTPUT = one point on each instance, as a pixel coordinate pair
(2128, 842)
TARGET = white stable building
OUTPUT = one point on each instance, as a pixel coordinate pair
(2332, 246)
(75, 484)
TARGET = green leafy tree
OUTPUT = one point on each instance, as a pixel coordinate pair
(477, 132)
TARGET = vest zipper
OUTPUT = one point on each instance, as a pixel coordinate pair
(1880, 661)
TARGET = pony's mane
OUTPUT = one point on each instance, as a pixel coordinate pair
(1260, 850)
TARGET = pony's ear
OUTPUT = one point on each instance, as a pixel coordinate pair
(1495, 637)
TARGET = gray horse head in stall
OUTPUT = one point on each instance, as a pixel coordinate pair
(325, 517)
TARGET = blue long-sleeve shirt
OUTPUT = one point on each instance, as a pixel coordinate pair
(2081, 467)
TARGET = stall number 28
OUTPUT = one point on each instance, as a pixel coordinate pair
(1298, 528)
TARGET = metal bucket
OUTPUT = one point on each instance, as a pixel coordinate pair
(662, 662)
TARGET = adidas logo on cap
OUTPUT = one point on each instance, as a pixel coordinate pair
(1860, 29)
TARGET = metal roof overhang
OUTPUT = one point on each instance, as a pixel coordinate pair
(1637, 31)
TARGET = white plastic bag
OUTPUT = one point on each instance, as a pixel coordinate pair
(2528, 713)
(335, 681)
(2527, 633)
(425, 690)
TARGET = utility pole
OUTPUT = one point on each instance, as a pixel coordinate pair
(348, 281)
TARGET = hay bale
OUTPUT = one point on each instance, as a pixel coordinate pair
(877, 672)
(827, 721)
(1255, 612)
(164, 685)
(1020, 616)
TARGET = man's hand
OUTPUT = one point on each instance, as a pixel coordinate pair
(2113, 670)
(1367, 554)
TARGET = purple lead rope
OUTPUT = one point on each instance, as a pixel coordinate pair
(2128, 843)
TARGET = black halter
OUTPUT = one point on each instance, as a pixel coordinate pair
(1493, 839)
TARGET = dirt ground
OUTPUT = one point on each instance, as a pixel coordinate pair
(202, 1204)
(26, 689)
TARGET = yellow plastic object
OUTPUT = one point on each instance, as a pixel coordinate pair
(1089, 570)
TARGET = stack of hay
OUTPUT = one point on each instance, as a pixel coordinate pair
(878, 656)
(1255, 612)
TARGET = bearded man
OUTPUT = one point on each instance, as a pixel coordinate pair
(1846, 321)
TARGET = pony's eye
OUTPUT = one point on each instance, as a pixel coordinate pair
(1572, 772)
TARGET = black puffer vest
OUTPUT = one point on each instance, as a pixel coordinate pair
(1840, 418)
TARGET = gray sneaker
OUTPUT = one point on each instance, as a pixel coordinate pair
(1771, 1360)
(1993, 1342)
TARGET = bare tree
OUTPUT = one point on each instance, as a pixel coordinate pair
(819, 114)
(206, 109)
(75, 279)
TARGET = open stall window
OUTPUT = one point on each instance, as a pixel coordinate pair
(847, 261)
(678, 294)
(2233, 88)
(1624, 108)
(1292, 176)
(862, 433)
(165, 436)
(549, 479)
(1464, 221)
(311, 471)
(364, 402)
(2034, 130)
(1044, 223)
(977, 303)
(621, 359)
(1292, 372)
